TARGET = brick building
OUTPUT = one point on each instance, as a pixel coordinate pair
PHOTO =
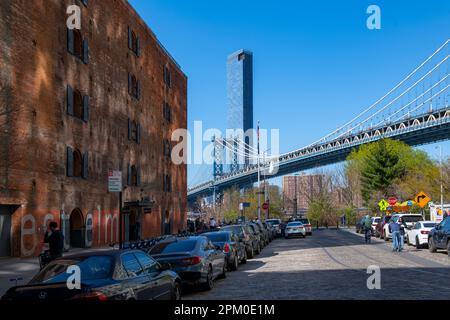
(303, 188)
(76, 104)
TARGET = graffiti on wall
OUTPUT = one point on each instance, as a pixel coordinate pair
(33, 227)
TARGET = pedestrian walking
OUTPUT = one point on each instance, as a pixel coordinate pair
(55, 240)
(394, 229)
(368, 229)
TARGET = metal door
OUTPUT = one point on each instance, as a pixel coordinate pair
(5, 231)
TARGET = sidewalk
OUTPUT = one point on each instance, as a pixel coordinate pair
(26, 269)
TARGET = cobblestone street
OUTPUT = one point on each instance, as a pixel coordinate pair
(332, 264)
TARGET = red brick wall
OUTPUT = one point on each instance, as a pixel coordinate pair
(36, 129)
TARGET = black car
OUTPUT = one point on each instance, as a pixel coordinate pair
(439, 237)
(196, 259)
(110, 275)
(254, 230)
(246, 237)
(233, 249)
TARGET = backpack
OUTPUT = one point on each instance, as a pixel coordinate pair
(368, 223)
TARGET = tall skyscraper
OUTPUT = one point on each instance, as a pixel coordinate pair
(240, 101)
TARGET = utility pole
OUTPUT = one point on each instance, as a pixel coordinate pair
(295, 196)
(442, 179)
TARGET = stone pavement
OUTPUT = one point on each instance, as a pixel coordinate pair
(332, 264)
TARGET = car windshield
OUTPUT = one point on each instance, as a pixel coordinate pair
(429, 225)
(376, 220)
(176, 246)
(387, 218)
(92, 268)
(304, 221)
(411, 218)
(295, 224)
(217, 237)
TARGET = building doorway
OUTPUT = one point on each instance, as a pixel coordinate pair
(76, 222)
(134, 225)
(6, 213)
(167, 223)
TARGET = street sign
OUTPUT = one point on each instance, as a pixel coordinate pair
(422, 199)
(114, 181)
(265, 206)
(243, 205)
(392, 201)
(383, 204)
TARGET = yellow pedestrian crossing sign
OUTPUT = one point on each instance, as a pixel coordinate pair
(422, 199)
(383, 204)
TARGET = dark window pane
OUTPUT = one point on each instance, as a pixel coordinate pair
(131, 265)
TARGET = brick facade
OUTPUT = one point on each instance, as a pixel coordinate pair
(40, 132)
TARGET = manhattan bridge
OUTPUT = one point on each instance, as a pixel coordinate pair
(416, 111)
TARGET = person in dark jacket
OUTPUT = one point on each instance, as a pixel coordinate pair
(55, 241)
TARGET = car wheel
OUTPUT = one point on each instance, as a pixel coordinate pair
(417, 243)
(431, 246)
(209, 284)
(386, 238)
(234, 266)
(407, 241)
(176, 294)
(244, 261)
(252, 254)
(223, 275)
(448, 248)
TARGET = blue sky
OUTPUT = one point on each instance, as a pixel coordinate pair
(315, 62)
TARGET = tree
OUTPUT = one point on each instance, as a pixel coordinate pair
(391, 168)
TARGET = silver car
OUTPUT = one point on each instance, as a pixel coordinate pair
(295, 229)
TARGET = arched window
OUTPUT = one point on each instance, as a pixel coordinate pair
(77, 164)
(134, 176)
(78, 43)
(134, 131)
(77, 104)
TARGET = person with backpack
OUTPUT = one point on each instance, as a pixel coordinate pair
(367, 228)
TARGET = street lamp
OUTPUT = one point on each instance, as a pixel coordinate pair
(295, 195)
(442, 177)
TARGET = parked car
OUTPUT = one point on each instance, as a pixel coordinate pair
(111, 275)
(375, 221)
(409, 219)
(264, 231)
(276, 225)
(295, 229)
(229, 243)
(195, 259)
(379, 229)
(269, 230)
(246, 237)
(418, 235)
(439, 237)
(307, 225)
(259, 234)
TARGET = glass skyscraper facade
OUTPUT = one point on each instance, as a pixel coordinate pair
(240, 99)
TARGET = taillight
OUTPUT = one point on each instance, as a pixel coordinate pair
(91, 296)
(191, 261)
(226, 248)
(424, 232)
